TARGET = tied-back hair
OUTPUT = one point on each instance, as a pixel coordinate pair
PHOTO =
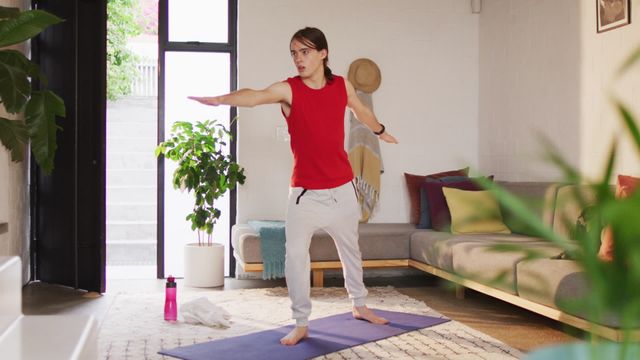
(315, 39)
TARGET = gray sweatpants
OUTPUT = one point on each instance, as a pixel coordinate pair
(337, 212)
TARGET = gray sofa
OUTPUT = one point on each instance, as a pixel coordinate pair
(539, 285)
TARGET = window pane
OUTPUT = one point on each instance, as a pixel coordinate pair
(198, 74)
(198, 20)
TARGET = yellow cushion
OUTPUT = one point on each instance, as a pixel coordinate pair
(474, 212)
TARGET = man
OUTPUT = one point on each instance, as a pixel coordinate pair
(322, 195)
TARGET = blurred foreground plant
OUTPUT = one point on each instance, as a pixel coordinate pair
(614, 287)
(33, 111)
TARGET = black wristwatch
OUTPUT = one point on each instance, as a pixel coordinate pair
(381, 131)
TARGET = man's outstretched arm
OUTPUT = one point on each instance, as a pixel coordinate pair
(279, 92)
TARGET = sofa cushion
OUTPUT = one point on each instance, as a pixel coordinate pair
(413, 188)
(551, 282)
(626, 186)
(438, 209)
(246, 244)
(434, 247)
(539, 280)
(538, 197)
(377, 242)
(568, 209)
(481, 263)
(474, 212)
(425, 217)
(424, 222)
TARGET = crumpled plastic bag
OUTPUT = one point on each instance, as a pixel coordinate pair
(203, 311)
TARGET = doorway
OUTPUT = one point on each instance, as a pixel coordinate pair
(181, 48)
(132, 118)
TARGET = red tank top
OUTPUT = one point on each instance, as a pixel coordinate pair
(316, 126)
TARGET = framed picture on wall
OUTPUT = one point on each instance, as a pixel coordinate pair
(612, 14)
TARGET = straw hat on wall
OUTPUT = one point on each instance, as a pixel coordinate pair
(365, 75)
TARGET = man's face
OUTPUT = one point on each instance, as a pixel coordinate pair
(306, 59)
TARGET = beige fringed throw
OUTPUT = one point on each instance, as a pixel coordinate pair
(366, 161)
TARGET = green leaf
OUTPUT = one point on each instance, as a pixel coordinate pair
(630, 124)
(40, 116)
(159, 150)
(122, 25)
(523, 212)
(202, 167)
(27, 25)
(13, 135)
(9, 12)
(608, 172)
(554, 155)
(631, 60)
(15, 88)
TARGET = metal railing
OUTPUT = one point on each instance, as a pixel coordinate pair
(146, 84)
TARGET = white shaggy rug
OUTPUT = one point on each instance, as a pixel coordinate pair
(134, 327)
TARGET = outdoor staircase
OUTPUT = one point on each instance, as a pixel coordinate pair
(31, 337)
(131, 183)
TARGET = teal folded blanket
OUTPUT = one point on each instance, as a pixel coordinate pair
(272, 238)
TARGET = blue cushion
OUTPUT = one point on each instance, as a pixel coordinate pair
(425, 218)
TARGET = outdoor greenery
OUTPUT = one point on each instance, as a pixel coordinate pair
(122, 24)
(203, 168)
(17, 94)
(614, 287)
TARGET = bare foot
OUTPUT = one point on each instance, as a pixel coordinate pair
(298, 333)
(364, 313)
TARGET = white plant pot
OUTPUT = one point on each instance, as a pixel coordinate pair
(204, 265)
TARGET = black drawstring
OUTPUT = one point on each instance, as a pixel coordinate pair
(299, 196)
(354, 188)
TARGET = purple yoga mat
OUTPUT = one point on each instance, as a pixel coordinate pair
(326, 335)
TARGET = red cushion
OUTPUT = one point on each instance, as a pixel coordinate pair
(413, 186)
(626, 186)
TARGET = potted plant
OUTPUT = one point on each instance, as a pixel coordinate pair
(206, 171)
(17, 95)
(614, 289)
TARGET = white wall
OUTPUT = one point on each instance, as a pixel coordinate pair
(544, 69)
(602, 55)
(427, 51)
(529, 86)
(14, 196)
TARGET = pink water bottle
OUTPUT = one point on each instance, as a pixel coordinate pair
(170, 305)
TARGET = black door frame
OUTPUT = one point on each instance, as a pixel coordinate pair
(164, 45)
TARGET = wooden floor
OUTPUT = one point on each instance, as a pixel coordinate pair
(519, 328)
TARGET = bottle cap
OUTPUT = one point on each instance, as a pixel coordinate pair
(171, 281)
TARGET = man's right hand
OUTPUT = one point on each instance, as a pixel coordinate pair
(212, 101)
(385, 136)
